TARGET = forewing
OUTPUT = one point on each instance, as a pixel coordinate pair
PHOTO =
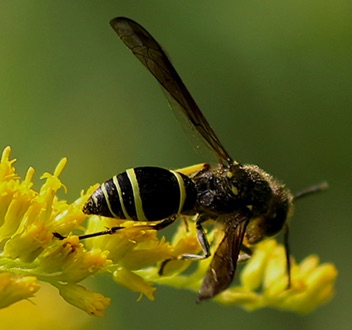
(152, 56)
(222, 268)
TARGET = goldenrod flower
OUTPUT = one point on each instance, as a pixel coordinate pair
(14, 288)
(91, 302)
(29, 252)
(264, 282)
(132, 257)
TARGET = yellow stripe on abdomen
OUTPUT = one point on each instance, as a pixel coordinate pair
(181, 186)
(131, 174)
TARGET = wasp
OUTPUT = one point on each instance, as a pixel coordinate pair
(249, 203)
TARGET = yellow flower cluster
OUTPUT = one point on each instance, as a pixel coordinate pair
(29, 253)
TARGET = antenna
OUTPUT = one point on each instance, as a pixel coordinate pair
(311, 190)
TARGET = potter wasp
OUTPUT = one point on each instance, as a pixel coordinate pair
(250, 204)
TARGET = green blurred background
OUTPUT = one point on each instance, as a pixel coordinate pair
(273, 78)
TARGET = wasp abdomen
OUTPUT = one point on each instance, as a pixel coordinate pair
(144, 194)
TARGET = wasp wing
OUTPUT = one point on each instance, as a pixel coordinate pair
(222, 268)
(152, 56)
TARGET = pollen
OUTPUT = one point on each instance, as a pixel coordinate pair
(229, 174)
(234, 189)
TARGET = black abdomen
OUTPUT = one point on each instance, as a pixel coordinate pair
(143, 193)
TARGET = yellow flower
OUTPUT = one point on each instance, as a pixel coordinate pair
(264, 282)
(49, 311)
(14, 288)
(91, 302)
(30, 253)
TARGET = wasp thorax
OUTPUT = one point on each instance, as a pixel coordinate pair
(254, 188)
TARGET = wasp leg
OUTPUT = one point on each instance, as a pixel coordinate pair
(204, 243)
(246, 254)
(287, 253)
(110, 231)
(162, 224)
(194, 170)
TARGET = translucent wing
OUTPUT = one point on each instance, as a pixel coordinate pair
(222, 268)
(150, 53)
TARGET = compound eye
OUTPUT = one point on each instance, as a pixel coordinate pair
(276, 220)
